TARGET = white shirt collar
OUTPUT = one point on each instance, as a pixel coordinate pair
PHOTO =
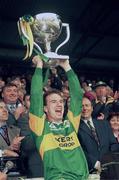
(2, 124)
(90, 119)
(116, 135)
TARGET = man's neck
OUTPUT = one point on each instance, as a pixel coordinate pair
(12, 103)
(86, 118)
(55, 121)
(9, 102)
(116, 133)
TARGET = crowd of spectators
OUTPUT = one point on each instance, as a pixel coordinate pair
(15, 93)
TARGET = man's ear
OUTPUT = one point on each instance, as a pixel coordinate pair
(45, 109)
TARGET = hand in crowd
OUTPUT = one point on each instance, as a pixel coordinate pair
(3, 176)
(98, 167)
(37, 61)
(101, 116)
(116, 95)
(15, 145)
(10, 153)
(102, 99)
(19, 111)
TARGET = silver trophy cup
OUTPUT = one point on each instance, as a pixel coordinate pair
(46, 28)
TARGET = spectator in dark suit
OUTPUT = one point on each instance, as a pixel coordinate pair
(95, 136)
(103, 102)
(18, 115)
(9, 135)
(14, 106)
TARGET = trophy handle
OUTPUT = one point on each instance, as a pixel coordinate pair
(67, 38)
(24, 33)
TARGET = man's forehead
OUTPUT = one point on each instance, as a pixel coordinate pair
(10, 87)
(54, 96)
(86, 101)
(101, 87)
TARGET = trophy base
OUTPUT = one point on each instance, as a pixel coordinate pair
(52, 55)
(54, 58)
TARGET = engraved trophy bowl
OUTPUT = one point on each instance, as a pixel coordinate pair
(46, 28)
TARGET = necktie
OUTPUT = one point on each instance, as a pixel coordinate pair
(93, 131)
(4, 133)
(12, 108)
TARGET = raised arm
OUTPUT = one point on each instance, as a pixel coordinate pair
(36, 121)
(36, 106)
(76, 94)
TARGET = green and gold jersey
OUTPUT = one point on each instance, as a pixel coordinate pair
(58, 143)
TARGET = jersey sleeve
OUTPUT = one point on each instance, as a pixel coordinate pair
(36, 114)
(76, 95)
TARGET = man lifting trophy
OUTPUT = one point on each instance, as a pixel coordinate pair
(42, 30)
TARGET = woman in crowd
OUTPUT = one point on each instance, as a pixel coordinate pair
(114, 122)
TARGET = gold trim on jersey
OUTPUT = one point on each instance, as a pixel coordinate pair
(51, 141)
(36, 123)
(74, 120)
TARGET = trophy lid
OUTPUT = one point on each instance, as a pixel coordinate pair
(46, 27)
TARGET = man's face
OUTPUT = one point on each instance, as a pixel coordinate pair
(10, 94)
(86, 108)
(54, 107)
(3, 112)
(101, 91)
